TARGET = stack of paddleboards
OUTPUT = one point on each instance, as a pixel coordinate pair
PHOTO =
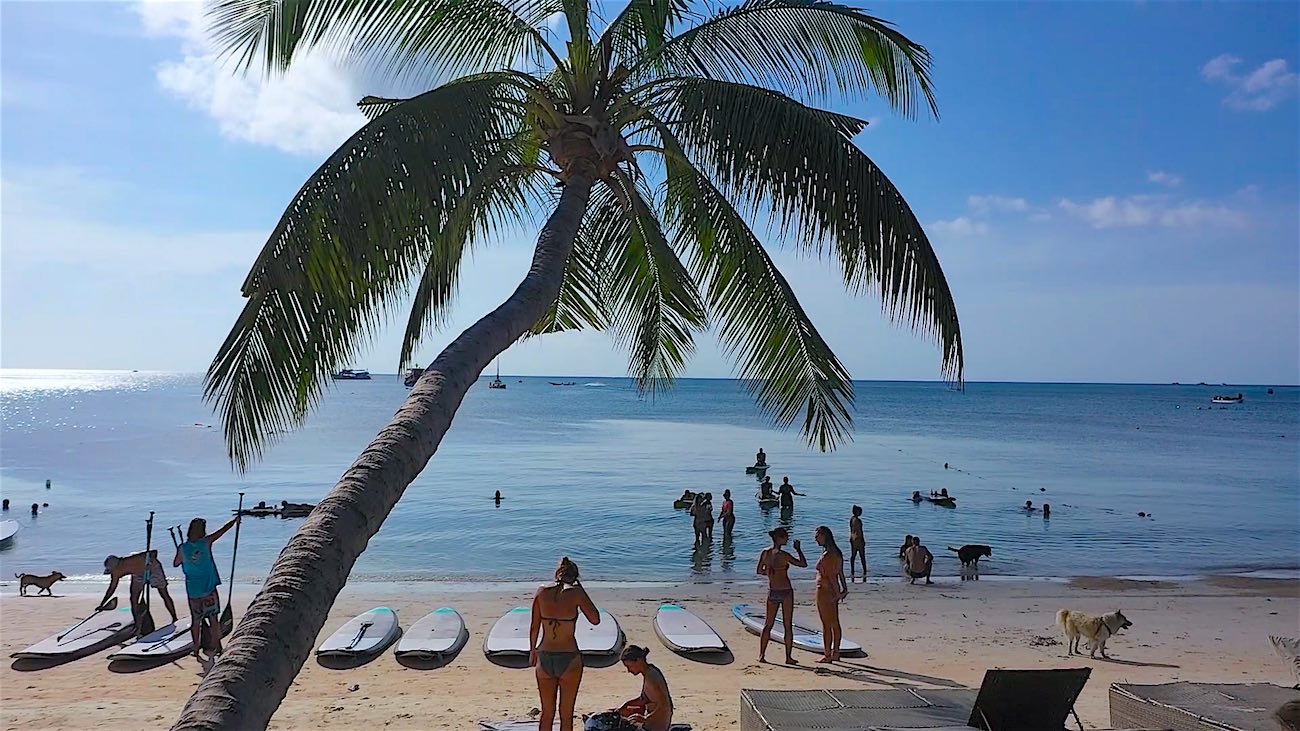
(805, 638)
(509, 634)
(97, 632)
(367, 633)
(683, 631)
(438, 635)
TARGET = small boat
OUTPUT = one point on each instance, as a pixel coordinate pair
(497, 382)
(1228, 399)
(412, 375)
(8, 529)
(565, 383)
(347, 374)
(685, 501)
(943, 501)
(295, 510)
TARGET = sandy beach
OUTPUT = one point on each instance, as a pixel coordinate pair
(1212, 630)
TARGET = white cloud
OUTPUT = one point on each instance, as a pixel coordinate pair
(1162, 177)
(960, 227)
(1259, 90)
(1146, 210)
(310, 109)
(1000, 203)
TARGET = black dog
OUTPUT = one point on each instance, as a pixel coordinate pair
(971, 553)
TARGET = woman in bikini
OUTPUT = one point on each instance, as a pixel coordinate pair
(831, 590)
(728, 515)
(556, 656)
(774, 563)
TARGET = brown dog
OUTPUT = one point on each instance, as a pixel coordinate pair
(43, 583)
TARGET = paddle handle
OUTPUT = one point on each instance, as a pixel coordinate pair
(234, 553)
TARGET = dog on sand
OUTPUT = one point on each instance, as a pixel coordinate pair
(971, 553)
(1095, 629)
(42, 583)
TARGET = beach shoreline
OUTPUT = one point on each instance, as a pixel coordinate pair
(1212, 630)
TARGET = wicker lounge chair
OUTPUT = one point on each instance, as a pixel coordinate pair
(1198, 706)
(1008, 700)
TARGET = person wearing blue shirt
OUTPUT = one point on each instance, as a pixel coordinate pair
(194, 556)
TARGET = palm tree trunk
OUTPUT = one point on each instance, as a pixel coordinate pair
(278, 631)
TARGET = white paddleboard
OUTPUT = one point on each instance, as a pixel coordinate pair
(438, 633)
(509, 634)
(599, 639)
(805, 638)
(164, 642)
(683, 631)
(96, 633)
(364, 634)
(8, 529)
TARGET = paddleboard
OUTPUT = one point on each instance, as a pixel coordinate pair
(605, 638)
(805, 638)
(167, 641)
(438, 633)
(364, 634)
(93, 635)
(8, 529)
(509, 634)
(769, 503)
(682, 630)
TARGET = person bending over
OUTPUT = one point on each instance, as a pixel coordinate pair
(142, 572)
(653, 709)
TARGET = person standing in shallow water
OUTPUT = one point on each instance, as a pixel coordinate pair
(831, 590)
(556, 657)
(857, 544)
(787, 493)
(728, 515)
(774, 563)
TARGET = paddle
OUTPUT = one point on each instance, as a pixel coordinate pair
(228, 615)
(360, 634)
(171, 531)
(107, 606)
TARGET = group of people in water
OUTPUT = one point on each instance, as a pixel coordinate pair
(558, 662)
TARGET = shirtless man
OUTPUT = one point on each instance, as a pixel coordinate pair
(653, 709)
(134, 566)
(857, 544)
(919, 561)
(774, 563)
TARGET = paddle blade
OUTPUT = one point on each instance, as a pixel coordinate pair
(107, 606)
(227, 615)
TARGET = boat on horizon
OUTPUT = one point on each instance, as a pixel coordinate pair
(566, 383)
(412, 375)
(347, 374)
(497, 382)
(1228, 399)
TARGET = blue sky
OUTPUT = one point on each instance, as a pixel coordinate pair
(1112, 190)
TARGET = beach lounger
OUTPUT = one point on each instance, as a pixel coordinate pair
(1008, 700)
(1198, 706)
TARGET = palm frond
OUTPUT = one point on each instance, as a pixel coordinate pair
(802, 47)
(767, 152)
(653, 303)
(503, 193)
(345, 250)
(408, 38)
(643, 27)
(782, 359)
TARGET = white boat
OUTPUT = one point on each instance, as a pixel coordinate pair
(805, 638)
(1228, 399)
(8, 529)
(86, 638)
(440, 633)
(497, 382)
(365, 634)
(682, 630)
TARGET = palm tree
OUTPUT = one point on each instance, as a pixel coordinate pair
(652, 142)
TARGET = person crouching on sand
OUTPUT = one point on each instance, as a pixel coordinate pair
(556, 657)
(919, 561)
(775, 563)
(194, 556)
(831, 590)
(653, 709)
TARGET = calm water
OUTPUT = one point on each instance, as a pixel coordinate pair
(591, 471)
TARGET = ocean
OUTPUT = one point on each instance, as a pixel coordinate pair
(591, 471)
